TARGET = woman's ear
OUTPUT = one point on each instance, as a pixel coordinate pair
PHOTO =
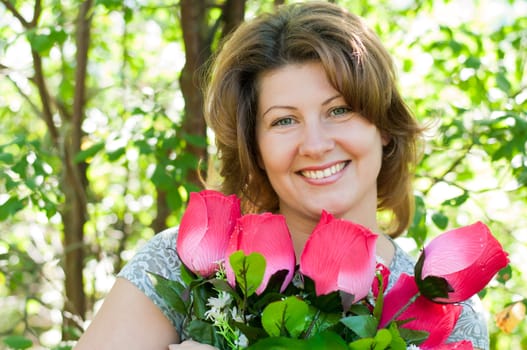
(385, 138)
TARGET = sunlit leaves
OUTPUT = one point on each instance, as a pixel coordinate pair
(43, 42)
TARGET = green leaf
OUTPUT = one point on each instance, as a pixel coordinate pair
(325, 341)
(173, 292)
(413, 336)
(456, 201)
(319, 321)
(116, 154)
(503, 83)
(418, 230)
(383, 339)
(286, 317)
(88, 152)
(42, 43)
(362, 344)
(280, 343)
(7, 158)
(364, 326)
(397, 343)
(174, 200)
(11, 207)
(504, 274)
(195, 140)
(379, 303)
(205, 332)
(58, 36)
(18, 342)
(249, 271)
(440, 220)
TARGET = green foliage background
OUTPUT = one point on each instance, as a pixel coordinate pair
(462, 69)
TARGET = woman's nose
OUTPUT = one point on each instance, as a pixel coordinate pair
(316, 141)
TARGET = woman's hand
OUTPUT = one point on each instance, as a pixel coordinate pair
(190, 345)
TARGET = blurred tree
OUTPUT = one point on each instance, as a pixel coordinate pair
(63, 119)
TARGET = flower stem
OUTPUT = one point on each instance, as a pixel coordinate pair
(399, 312)
(311, 325)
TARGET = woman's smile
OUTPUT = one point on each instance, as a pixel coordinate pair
(323, 173)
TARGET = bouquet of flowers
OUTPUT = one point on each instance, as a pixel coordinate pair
(241, 286)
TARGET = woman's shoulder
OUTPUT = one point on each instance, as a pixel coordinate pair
(157, 256)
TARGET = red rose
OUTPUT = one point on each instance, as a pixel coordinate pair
(459, 263)
(340, 255)
(205, 229)
(268, 235)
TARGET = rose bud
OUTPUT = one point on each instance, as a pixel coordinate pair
(459, 263)
(268, 235)
(205, 229)
(340, 256)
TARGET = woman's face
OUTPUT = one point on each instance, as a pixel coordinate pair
(316, 151)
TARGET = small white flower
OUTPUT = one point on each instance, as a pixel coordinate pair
(242, 341)
(223, 300)
(413, 347)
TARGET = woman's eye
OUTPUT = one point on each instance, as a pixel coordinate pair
(283, 122)
(340, 111)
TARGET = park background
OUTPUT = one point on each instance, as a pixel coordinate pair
(102, 133)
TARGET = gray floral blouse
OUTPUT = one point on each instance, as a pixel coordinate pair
(159, 256)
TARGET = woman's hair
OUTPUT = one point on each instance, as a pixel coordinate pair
(357, 65)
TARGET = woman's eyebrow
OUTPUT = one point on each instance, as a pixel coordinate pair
(331, 99)
(277, 107)
(326, 102)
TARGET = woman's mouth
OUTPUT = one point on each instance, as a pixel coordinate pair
(323, 173)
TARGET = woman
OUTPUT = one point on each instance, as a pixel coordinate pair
(307, 116)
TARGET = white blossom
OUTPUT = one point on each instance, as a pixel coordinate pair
(223, 300)
(242, 340)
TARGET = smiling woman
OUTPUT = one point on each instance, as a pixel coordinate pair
(317, 152)
(308, 119)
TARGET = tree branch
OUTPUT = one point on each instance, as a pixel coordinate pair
(37, 10)
(17, 14)
(40, 82)
(33, 106)
(452, 166)
(82, 44)
(233, 14)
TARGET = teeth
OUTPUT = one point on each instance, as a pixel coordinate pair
(320, 174)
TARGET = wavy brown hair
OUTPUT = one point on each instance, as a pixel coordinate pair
(357, 65)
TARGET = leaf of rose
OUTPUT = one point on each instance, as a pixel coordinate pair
(280, 343)
(172, 291)
(285, 317)
(249, 271)
(364, 326)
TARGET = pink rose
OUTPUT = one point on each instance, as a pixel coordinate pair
(463, 260)
(340, 255)
(268, 235)
(437, 319)
(205, 229)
